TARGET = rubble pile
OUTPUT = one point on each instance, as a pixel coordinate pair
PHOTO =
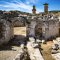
(56, 49)
(33, 50)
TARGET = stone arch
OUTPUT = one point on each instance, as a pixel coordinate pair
(19, 21)
(38, 30)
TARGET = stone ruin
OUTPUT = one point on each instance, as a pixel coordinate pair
(6, 31)
(7, 28)
(41, 27)
(44, 27)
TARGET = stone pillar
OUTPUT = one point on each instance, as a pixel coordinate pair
(31, 28)
(43, 32)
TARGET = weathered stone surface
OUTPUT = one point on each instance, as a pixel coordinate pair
(38, 41)
(42, 26)
(56, 56)
(7, 31)
(58, 40)
(34, 52)
(20, 55)
(19, 21)
(31, 39)
(54, 51)
(55, 47)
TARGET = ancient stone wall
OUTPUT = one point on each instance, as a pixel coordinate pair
(6, 31)
(43, 27)
(19, 21)
(52, 29)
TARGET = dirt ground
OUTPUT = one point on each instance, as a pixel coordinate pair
(46, 51)
(10, 50)
(20, 31)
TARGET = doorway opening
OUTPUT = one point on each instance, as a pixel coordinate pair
(38, 32)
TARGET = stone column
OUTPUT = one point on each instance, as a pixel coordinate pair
(32, 28)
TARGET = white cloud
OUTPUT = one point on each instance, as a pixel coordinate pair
(17, 6)
(27, 2)
(32, 1)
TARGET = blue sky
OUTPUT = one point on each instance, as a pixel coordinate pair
(26, 5)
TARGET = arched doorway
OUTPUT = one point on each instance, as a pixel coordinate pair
(19, 27)
(38, 31)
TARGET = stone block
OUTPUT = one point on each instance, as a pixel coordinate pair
(31, 39)
(55, 46)
(54, 51)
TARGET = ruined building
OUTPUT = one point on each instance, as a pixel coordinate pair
(7, 28)
(44, 27)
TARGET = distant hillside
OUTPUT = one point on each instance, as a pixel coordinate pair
(54, 11)
(12, 14)
(15, 11)
(21, 12)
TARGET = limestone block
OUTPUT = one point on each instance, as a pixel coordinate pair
(58, 39)
(35, 45)
(34, 53)
(55, 46)
(31, 39)
(38, 41)
(43, 41)
(54, 51)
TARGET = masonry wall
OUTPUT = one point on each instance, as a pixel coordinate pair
(52, 30)
(7, 31)
(31, 28)
(18, 21)
(49, 28)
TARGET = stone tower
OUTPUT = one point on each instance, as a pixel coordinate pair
(34, 10)
(46, 8)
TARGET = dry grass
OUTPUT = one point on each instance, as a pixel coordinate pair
(46, 52)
